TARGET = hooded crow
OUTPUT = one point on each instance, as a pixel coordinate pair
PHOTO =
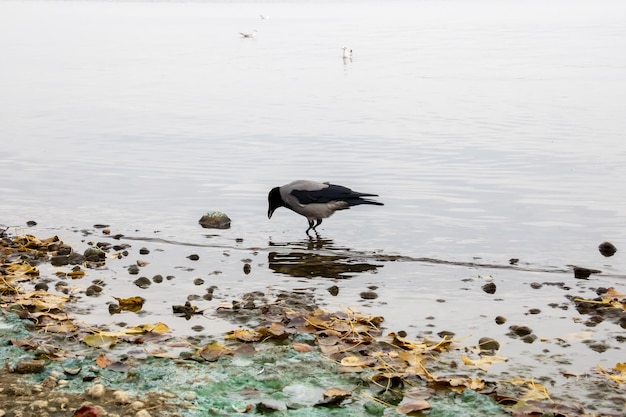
(315, 200)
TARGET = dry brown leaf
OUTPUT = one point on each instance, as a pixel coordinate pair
(102, 361)
(413, 407)
(214, 351)
(302, 347)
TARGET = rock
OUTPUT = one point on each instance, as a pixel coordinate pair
(94, 254)
(584, 273)
(247, 268)
(144, 251)
(93, 290)
(333, 290)
(35, 366)
(489, 288)
(142, 282)
(193, 257)
(142, 413)
(513, 261)
(60, 260)
(133, 269)
(488, 345)
(31, 223)
(446, 334)
(368, 295)
(121, 397)
(500, 320)
(607, 249)
(38, 405)
(215, 220)
(96, 391)
(520, 330)
(138, 405)
(64, 249)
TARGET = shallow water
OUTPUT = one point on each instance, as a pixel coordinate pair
(491, 130)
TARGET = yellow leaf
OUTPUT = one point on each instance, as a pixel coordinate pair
(214, 351)
(352, 361)
(100, 340)
(244, 335)
(159, 328)
(132, 304)
(483, 362)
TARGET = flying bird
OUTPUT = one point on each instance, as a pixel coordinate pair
(248, 34)
(347, 53)
(315, 200)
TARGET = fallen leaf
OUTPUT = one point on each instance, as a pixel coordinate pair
(102, 361)
(100, 340)
(413, 407)
(214, 351)
(302, 347)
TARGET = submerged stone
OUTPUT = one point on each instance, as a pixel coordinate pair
(215, 220)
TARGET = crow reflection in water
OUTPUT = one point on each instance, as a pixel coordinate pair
(308, 262)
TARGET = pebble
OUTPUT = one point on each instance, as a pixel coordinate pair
(369, 295)
(487, 344)
(190, 396)
(142, 413)
(137, 405)
(121, 397)
(38, 405)
(96, 391)
(30, 366)
(489, 288)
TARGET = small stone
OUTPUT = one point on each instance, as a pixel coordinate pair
(60, 260)
(446, 334)
(35, 366)
(536, 285)
(607, 249)
(93, 290)
(121, 397)
(520, 330)
(94, 254)
(215, 220)
(247, 268)
(333, 290)
(41, 286)
(534, 311)
(489, 288)
(193, 257)
(142, 413)
(513, 261)
(133, 269)
(198, 281)
(142, 283)
(190, 396)
(368, 295)
(38, 405)
(500, 320)
(487, 344)
(96, 391)
(157, 279)
(137, 405)
(64, 249)
(31, 223)
(144, 251)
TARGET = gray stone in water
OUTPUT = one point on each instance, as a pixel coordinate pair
(215, 220)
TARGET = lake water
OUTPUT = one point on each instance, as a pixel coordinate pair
(490, 129)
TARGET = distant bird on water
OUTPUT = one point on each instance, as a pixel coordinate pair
(248, 34)
(347, 53)
(315, 200)
(264, 17)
